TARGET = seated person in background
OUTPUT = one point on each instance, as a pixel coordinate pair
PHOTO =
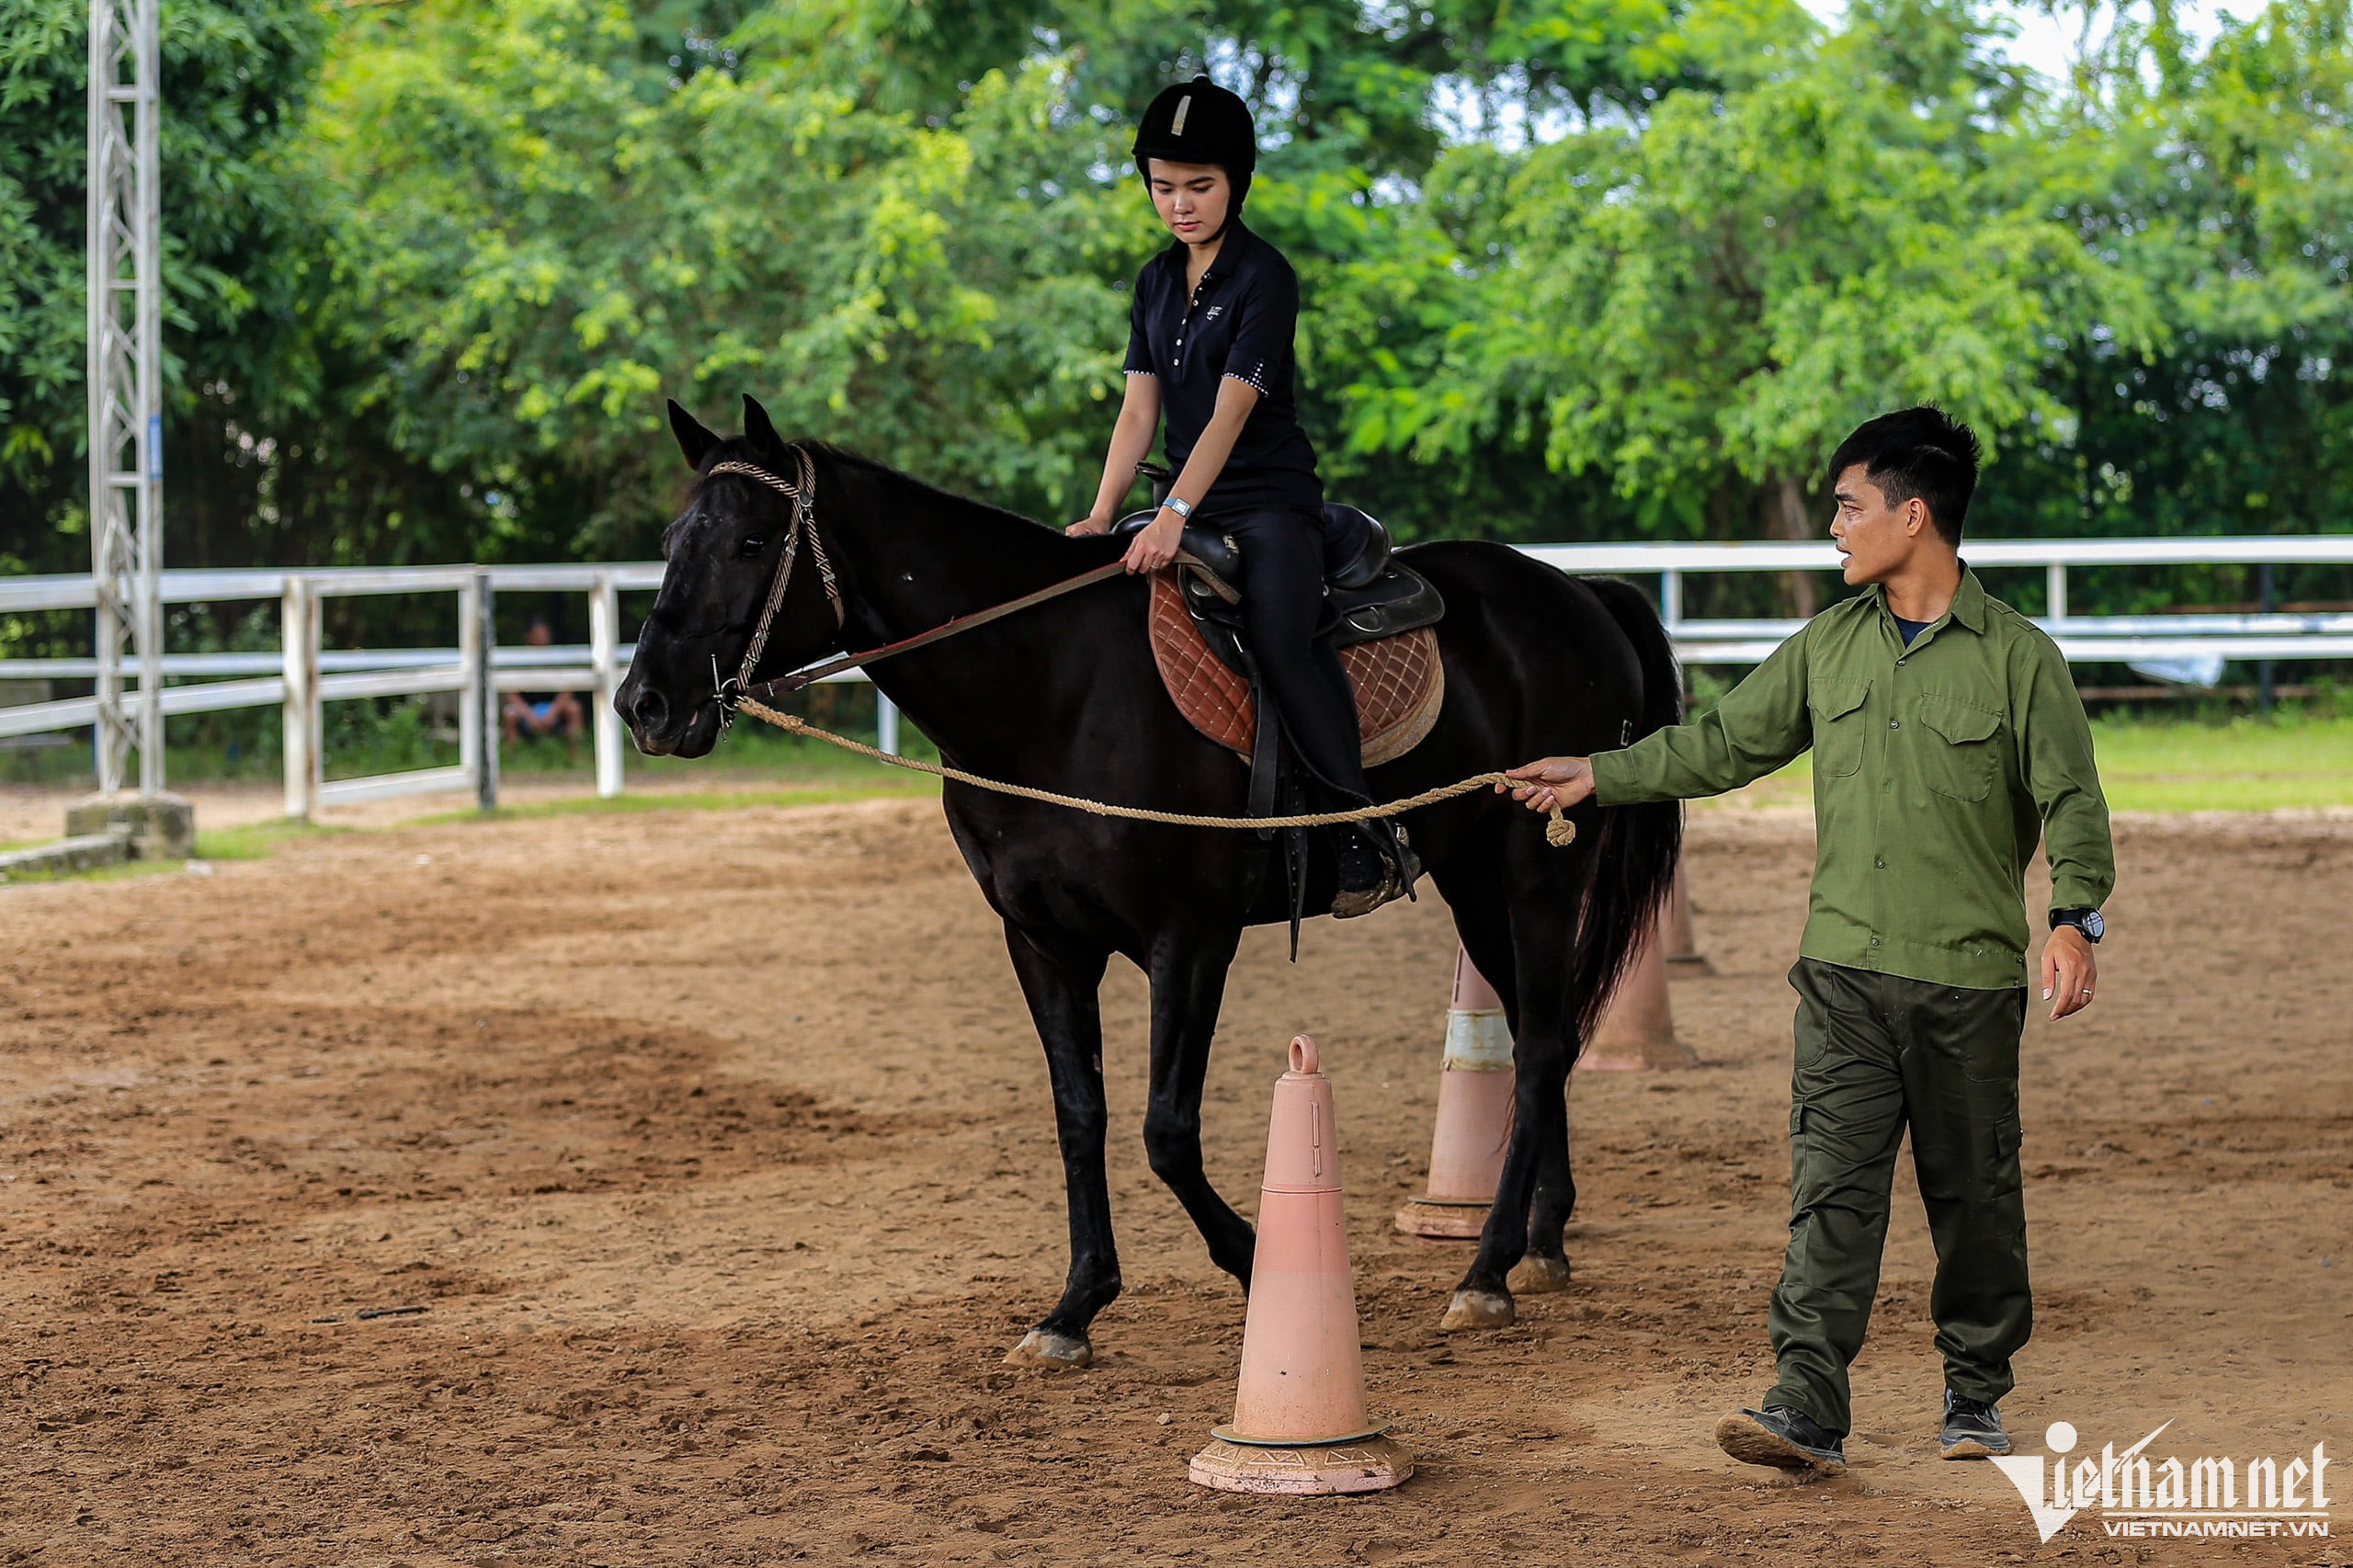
(536, 714)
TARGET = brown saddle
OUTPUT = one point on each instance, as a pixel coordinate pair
(1400, 685)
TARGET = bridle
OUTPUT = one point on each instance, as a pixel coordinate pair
(801, 490)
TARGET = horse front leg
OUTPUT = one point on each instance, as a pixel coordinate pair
(1060, 982)
(1188, 988)
(1541, 1050)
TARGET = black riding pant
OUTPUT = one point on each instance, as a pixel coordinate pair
(1876, 1055)
(1282, 599)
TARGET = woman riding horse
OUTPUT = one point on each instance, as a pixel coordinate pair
(1209, 345)
(1538, 663)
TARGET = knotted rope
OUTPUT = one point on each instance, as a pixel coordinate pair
(1560, 831)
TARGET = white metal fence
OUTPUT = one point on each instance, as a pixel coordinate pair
(2085, 640)
(302, 677)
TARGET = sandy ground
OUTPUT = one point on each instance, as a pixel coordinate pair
(35, 814)
(716, 1150)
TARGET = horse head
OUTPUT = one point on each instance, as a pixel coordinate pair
(745, 532)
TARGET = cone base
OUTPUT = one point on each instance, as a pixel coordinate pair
(1444, 1220)
(1361, 1464)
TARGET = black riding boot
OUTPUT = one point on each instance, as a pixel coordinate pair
(1377, 865)
(1282, 600)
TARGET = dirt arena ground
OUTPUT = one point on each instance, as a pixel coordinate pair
(716, 1149)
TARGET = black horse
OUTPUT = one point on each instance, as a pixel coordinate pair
(1065, 697)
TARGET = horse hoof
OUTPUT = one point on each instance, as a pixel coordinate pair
(1477, 1309)
(1050, 1352)
(1536, 1276)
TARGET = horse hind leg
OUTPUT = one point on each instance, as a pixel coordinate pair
(1539, 1134)
(1061, 988)
(1485, 931)
(1544, 1268)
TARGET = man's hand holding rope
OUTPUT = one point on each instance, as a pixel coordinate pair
(1550, 783)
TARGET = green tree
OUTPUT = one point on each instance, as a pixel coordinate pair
(1571, 267)
(1700, 305)
(2221, 187)
(234, 77)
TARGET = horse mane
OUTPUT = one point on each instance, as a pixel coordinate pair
(978, 510)
(1011, 530)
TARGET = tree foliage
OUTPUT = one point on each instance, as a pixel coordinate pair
(1573, 268)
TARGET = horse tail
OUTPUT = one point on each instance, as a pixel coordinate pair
(1633, 865)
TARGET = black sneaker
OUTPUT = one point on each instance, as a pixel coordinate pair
(1972, 1429)
(1786, 1438)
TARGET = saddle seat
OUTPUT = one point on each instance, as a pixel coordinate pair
(1377, 610)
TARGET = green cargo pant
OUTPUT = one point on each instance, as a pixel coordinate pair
(1874, 1054)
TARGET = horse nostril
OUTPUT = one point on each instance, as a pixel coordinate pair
(650, 710)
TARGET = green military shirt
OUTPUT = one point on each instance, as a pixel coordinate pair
(1936, 769)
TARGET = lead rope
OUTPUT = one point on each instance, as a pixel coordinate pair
(1560, 831)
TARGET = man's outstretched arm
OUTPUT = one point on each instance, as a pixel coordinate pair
(1760, 724)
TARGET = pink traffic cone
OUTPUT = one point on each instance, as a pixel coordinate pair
(1683, 955)
(1299, 1416)
(1639, 1029)
(1474, 1089)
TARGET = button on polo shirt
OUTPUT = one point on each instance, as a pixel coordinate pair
(1923, 829)
(1240, 321)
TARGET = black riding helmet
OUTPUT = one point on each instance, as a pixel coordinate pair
(1200, 122)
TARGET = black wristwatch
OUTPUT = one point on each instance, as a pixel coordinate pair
(2087, 921)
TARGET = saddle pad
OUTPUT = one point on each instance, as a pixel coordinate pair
(1400, 684)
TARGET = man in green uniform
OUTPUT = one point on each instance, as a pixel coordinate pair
(1947, 738)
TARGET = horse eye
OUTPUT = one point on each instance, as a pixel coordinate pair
(753, 545)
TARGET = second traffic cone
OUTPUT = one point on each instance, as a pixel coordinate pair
(1475, 1088)
(1298, 1416)
(1683, 954)
(1639, 1029)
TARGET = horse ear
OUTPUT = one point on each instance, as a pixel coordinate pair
(759, 429)
(693, 439)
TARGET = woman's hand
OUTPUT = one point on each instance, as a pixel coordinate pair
(1157, 546)
(1550, 781)
(1092, 523)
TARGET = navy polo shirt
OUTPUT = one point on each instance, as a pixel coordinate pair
(1238, 323)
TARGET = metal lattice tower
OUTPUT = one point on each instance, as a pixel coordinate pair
(126, 388)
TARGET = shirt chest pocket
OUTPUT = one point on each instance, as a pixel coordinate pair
(1838, 726)
(1960, 757)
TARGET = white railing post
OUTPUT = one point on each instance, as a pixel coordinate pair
(604, 657)
(300, 718)
(1670, 599)
(886, 723)
(2054, 576)
(484, 697)
(469, 664)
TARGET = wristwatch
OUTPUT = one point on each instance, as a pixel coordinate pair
(2087, 921)
(1183, 509)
